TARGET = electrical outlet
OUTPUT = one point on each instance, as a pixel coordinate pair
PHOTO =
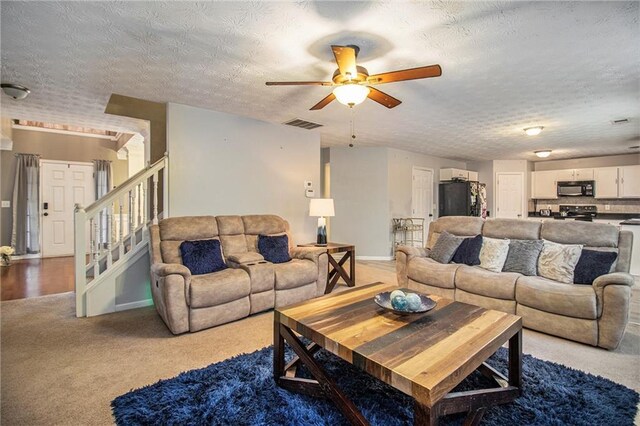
(6, 204)
(607, 206)
(309, 193)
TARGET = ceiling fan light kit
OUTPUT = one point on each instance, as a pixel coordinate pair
(533, 131)
(351, 94)
(353, 83)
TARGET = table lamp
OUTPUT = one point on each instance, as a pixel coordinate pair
(321, 207)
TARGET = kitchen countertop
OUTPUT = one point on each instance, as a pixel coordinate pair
(605, 216)
(631, 222)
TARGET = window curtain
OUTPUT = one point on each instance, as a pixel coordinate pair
(103, 183)
(25, 235)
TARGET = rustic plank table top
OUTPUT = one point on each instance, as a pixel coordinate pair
(423, 355)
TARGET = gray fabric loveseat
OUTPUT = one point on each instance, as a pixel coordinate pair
(249, 285)
(595, 314)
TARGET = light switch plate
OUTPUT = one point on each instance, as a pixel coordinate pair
(6, 204)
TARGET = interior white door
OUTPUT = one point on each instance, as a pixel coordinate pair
(510, 199)
(422, 197)
(63, 185)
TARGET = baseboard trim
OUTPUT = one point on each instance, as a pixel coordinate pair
(133, 305)
(374, 257)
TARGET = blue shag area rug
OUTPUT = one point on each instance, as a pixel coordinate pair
(241, 391)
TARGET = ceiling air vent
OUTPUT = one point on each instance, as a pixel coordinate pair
(297, 122)
(621, 121)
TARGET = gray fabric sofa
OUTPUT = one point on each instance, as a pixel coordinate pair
(594, 314)
(194, 302)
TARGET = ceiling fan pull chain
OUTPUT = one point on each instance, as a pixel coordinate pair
(353, 127)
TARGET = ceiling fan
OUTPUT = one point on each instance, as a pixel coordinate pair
(353, 82)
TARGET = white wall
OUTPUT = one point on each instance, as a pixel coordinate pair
(359, 189)
(226, 164)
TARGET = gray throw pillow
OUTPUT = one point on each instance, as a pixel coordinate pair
(446, 246)
(523, 257)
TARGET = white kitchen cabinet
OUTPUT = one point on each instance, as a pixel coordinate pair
(544, 185)
(564, 175)
(451, 174)
(583, 174)
(473, 176)
(606, 182)
(629, 186)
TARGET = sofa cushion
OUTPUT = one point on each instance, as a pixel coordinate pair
(469, 251)
(170, 251)
(476, 280)
(230, 225)
(493, 253)
(511, 228)
(457, 225)
(523, 257)
(188, 228)
(577, 301)
(295, 273)
(202, 256)
(274, 249)
(558, 261)
(428, 271)
(233, 244)
(249, 257)
(445, 247)
(577, 232)
(592, 264)
(265, 224)
(219, 287)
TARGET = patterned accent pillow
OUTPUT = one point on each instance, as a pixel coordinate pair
(469, 251)
(274, 249)
(202, 256)
(593, 264)
(558, 261)
(523, 257)
(446, 246)
(493, 253)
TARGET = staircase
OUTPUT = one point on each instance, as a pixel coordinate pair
(112, 236)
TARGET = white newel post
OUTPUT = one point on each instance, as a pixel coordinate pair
(80, 220)
(165, 187)
(121, 228)
(96, 248)
(155, 198)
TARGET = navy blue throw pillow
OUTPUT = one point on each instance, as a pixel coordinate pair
(202, 256)
(468, 252)
(274, 249)
(592, 264)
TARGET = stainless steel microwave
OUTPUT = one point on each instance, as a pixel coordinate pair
(584, 188)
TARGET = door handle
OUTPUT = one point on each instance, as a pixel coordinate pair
(46, 214)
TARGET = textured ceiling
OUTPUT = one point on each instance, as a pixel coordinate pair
(571, 67)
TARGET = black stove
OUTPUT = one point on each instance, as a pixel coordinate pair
(584, 212)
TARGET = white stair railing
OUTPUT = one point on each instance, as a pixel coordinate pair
(104, 238)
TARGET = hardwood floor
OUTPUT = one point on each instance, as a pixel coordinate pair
(36, 277)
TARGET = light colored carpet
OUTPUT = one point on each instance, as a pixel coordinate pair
(57, 369)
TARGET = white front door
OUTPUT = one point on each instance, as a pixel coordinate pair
(422, 197)
(510, 199)
(63, 185)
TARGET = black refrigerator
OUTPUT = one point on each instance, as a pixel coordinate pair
(462, 198)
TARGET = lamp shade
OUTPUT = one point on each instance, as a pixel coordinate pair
(321, 207)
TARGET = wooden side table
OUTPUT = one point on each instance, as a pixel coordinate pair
(336, 269)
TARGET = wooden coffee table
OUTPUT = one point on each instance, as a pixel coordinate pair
(423, 355)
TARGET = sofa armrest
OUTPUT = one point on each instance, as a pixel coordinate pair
(309, 253)
(613, 294)
(164, 269)
(413, 251)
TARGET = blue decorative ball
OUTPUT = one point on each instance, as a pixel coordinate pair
(413, 302)
(399, 303)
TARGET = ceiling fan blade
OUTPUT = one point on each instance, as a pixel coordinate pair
(346, 60)
(299, 83)
(383, 99)
(323, 103)
(402, 75)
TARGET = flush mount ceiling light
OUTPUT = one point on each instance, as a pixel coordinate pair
(16, 91)
(543, 153)
(533, 131)
(351, 94)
